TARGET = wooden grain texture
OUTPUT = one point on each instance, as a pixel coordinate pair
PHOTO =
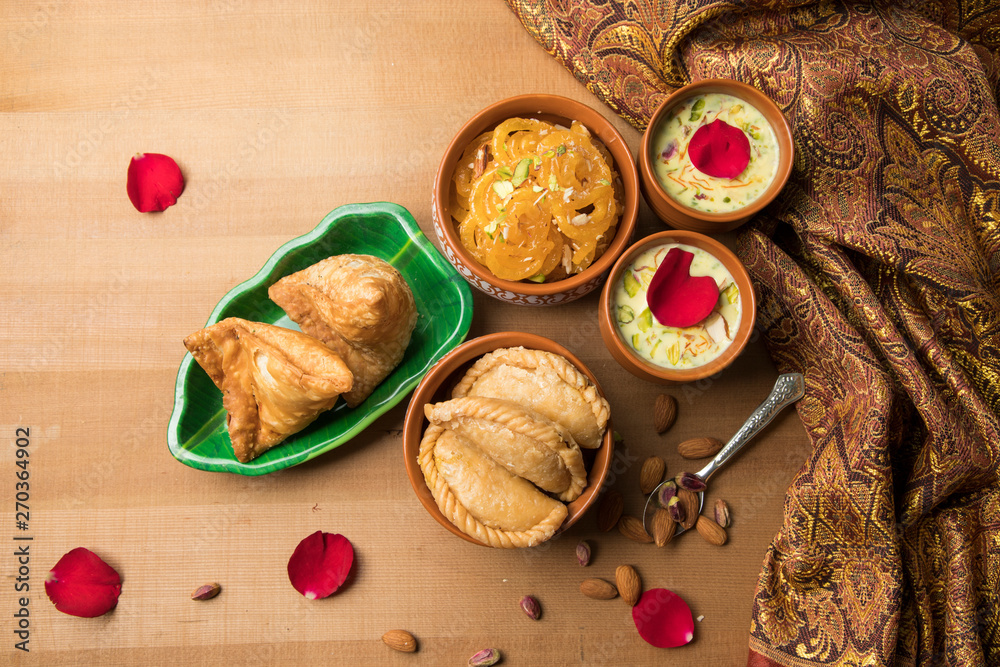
(279, 112)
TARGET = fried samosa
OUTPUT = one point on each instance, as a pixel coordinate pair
(357, 305)
(274, 381)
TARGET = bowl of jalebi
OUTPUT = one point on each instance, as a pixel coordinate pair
(535, 198)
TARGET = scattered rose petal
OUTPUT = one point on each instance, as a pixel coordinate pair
(154, 182)
(663, 619)
(81, 584)
(675, 297)
(719, 149)
(320, 564)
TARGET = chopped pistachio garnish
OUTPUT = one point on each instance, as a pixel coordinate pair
(732, 293)
(503, 189)
(645, 320)
(537, 278)
(560, 149)
(549, 154)
(625, 314)
(504, 172)
(521, 172)
(553, 183)
(536, 188)
(604, 181)
(631, 284)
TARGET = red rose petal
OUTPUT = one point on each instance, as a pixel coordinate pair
(663, 619)
(720, 150)
(676, 298)
(320, 564)
(154, 182)
(81, 584)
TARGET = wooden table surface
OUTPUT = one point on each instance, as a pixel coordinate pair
(278, 113)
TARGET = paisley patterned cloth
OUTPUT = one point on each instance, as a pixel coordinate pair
(878, 272)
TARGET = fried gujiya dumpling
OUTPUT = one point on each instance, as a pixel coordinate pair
(545, 382)
(274, 381)
(357, 305)
(481, 497)
(519, 439)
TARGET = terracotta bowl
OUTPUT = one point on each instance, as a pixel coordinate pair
(553, 109)
(676, 214)
(436, 386)
(623, 352)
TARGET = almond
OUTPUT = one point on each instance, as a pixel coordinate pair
(598, 589)
(664, 412)
(692, 507)
(609, 510)
(400, 640)
(482, 159)
(632, 528)
(663, 527)
(651, 474)
(711, 531)
(629, 584)
(699, 448)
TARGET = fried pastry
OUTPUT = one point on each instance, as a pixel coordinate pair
(357, 305)
(518, 438)
(481, 497)
(545, 382)
(274, 381)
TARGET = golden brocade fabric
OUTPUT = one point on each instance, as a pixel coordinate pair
(878, 274)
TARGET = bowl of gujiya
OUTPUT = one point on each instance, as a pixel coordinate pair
(714, 154)
(507, 440)
(677, 307)
(535, 198)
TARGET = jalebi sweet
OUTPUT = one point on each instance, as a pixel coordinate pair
(536, 201)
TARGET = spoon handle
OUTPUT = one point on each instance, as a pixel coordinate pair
(789, 388)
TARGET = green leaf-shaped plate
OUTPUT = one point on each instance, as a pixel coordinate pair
(197, 433)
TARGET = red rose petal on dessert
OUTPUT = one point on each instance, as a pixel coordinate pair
(154, 182)
(320, 564)
(676, 298)
(81, 584)
(720, 150)
(663, 619)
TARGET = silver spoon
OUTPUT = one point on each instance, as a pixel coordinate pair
(789, 388)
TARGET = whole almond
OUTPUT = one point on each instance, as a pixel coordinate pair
(699, 448)
(400, 640)
(598, 589)
(711, 531)
(664, 412)
(692, 507)
(206, 592)
(629, 584)
(663, 527)
(651, 474)
(632, 528)
(722, 513)
(609, 510)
